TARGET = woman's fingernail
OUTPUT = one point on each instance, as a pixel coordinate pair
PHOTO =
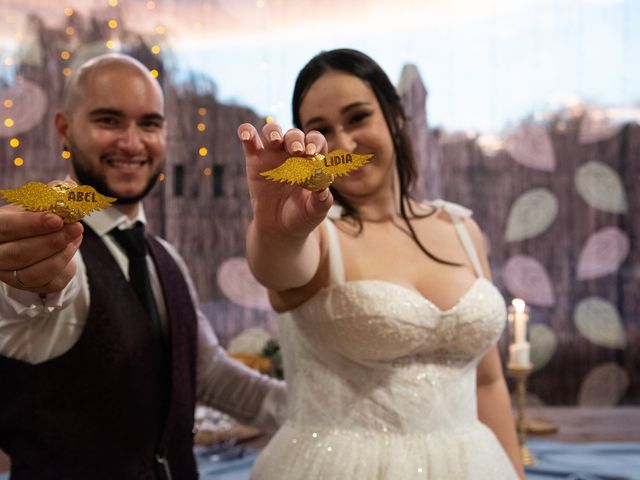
(310, 150)
(245, 135)
(297, 147)
(275, 136)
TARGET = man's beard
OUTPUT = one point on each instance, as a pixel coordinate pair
(88, 176)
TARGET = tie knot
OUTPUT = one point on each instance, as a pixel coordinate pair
(131, 240)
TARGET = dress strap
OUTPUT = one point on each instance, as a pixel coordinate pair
(336, 265)
(457, 214)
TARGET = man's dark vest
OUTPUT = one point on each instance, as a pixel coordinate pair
(104, 410)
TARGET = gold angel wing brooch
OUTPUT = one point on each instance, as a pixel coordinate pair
(317, 171)
(68, 201)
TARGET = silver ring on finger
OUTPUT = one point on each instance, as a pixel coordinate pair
(17, 280)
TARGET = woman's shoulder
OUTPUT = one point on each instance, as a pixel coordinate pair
(450, 208)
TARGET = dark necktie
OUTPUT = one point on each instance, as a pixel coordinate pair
(135, 246)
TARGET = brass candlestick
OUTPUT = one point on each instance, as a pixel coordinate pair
(519, 374)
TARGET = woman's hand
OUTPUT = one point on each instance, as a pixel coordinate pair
(280, 209)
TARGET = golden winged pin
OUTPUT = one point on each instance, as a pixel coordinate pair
(318, 171)
(68, 201)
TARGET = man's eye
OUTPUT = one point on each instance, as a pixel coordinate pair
(107, 121)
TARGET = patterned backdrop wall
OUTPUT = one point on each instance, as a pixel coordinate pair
(556, 197)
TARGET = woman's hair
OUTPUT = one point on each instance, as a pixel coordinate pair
(366, 69)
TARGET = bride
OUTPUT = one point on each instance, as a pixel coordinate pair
(389, 319)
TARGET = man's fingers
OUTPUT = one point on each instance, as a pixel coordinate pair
(46, 275)
(15, 223)
(19, 254)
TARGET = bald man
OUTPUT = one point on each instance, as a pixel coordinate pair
(98, 381)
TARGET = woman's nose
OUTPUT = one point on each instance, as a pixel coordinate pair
(343, 140)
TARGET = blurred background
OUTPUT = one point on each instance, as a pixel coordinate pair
(526, 111)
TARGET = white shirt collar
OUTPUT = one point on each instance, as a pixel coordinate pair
(103, 221)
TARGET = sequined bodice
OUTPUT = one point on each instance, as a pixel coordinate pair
(369, 355)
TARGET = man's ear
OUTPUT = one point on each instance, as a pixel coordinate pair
(61, 122)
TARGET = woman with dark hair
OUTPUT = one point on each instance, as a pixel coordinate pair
(389, 321)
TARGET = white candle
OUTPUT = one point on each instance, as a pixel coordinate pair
(519, 350)
(520, 319)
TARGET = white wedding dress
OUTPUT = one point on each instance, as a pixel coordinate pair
(382, 383)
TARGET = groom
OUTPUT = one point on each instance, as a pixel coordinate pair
(103, 350)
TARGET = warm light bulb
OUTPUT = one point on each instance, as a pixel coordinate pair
(18, 162)
(203, 152)
(201, 127)
(8, 103)
(154, 73)
(112, 24)
(151, 5)
(202, 111)
(14, 142)
(64, 55)
(69, 30)
(207, 172)
(110, 44)
(68, 11)
(66, 154)
(161, 177)
(113, 3)
(66, 71)
(160, 29)
(518, 304)
(155, 49)
(8, 122)
(269, 120)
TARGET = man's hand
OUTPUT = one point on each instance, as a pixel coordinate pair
(37, 249)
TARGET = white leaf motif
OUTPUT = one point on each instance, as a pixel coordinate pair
(604, 386)
(601, 187)
(598, 320)
(531, 214)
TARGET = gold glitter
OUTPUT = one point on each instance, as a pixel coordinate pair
(316, 172)
(68, 201)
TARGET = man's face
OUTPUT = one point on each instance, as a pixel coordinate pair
(116, 132)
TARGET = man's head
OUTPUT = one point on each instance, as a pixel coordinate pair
(112, 122)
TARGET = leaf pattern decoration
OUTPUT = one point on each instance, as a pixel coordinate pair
(530, 145)
(30, 103)
(526, 278)
(598, 320)
(240, 286)
(603, 386)
(601, 187)
(531, 214)
(543, 344)
(603, 253)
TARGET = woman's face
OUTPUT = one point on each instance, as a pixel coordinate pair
(345, 110)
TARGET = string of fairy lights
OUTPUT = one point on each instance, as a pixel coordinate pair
(8, 106)
(114, 26)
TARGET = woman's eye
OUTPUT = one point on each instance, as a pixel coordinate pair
(358, 117)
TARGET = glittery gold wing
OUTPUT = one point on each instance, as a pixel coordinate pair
(84, 199)
(34, 196)
(295, 170)
(341, 162)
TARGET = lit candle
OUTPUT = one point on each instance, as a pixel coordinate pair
(519, 350)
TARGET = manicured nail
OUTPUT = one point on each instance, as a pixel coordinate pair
(323, 194)
(275, 136)
(310, 150)
(245, 135)
(297, 147)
